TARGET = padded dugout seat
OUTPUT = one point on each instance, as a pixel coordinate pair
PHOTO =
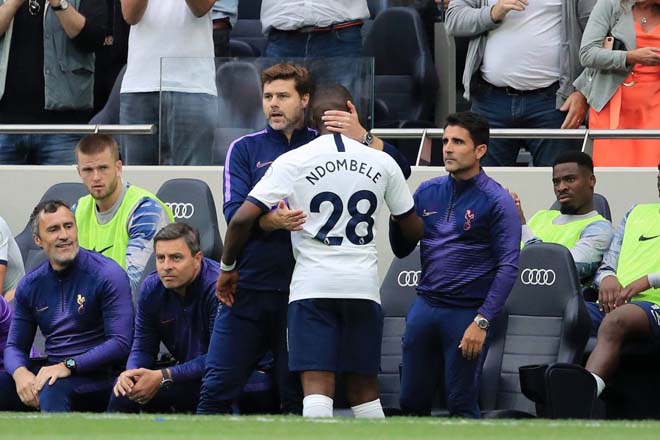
(544, 321)
(191, 201)
(68, 192)
(601, 206)
(397, 295)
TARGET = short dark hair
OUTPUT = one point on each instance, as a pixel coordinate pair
(97, 143)
(174, 231)
(474, 123)
(299, 74)
(329, 97)
(582, 159)
(47, 206)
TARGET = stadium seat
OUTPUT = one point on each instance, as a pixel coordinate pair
(397, 294)
(241, 49)
(249, 31)
(377, 6)
(406, 81)
(249, 9)
(600, 205)
(544, 321)
(109, 114)
(191, 201)
(68, 192)
(239, 105)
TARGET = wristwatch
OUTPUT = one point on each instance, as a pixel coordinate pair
(481, 322)
(64, 4)
(71, 364)
(368, 139)
(166, 381)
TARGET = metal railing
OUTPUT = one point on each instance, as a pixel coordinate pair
(77, 129)
(587, 136)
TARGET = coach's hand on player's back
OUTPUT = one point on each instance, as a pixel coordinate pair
(225, 291)
(24, 380)
(472, 342)
(50, 374)
(283, 218)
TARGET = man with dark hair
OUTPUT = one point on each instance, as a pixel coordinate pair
(469, 255)
(577, 225)
(116, 219)
(628, 305)
(334, 317)
(176, 306)
(81, 302)
(257, 321)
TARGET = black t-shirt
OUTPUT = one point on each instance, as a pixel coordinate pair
(23, 101)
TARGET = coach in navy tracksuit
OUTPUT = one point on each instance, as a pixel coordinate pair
(469, 256)
(81, 302)
(176, 305)
(256, 322)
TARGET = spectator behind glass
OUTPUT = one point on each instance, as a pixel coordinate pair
(224, 14)
(172, 39)
(622, 78)
(532, 89)
(320, 29)
(53, 86)
(11, 262)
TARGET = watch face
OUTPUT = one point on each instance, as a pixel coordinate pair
(70, 364)
(368, 138)
(482, 323)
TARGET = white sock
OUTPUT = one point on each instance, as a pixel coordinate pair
(317, 405)
(369, 410)
(600, 384)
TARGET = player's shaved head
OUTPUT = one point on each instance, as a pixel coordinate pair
(328, 97)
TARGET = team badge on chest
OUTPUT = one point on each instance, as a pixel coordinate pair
(469, 216)
(81, 304)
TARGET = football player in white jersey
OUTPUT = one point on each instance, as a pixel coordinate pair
(335, 321)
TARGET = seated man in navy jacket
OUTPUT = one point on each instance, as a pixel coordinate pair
(81, 302)
(177, 306)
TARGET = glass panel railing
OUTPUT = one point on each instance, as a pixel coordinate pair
(205, 104)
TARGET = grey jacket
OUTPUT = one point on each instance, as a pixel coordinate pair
(68, 72)
(471, 18)
(605, 69)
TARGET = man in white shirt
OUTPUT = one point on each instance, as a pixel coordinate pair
(11, 262)
(318, 29)
(334, 319)
(170, 50)
(520, 67)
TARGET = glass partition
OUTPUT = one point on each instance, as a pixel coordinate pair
(205, 104)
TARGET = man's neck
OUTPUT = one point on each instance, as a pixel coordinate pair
(465, 174)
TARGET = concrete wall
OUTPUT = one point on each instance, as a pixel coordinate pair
(23, 186)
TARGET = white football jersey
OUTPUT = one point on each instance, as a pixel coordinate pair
(341, 185)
